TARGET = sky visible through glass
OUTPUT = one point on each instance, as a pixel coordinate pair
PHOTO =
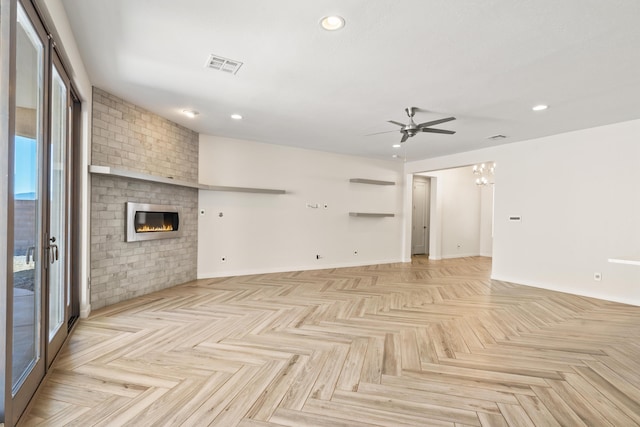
(26, 164)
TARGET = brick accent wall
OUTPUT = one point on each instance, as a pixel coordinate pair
(128, 137)
(122, 270)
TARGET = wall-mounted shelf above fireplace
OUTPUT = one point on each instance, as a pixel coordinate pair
(123, 173)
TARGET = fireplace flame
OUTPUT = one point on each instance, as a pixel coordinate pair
(147, 228)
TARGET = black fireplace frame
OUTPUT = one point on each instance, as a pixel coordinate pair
(130, 232)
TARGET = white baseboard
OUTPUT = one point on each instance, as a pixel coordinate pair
(433, 258)
(450, 256)
(247, 272)
(567, 290)
(85, 310)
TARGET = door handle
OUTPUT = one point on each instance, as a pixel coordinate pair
(53, 250)
(31, 254)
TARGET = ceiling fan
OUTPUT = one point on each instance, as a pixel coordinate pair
(410, 129)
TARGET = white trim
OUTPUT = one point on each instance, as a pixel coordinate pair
(568, 290)
(451, 256)
(230, 273)
(407, 207)
(85, 311)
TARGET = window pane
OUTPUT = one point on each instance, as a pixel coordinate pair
(27, 204)
(57, 203)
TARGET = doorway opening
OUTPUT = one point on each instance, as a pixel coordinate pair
(452, 212)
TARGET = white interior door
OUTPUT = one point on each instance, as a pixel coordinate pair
(420, 221)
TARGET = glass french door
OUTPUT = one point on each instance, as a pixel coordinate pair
(58, 234)
(28, 212)
(41, 208)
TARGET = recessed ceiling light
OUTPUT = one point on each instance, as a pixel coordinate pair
(396, 145)
(332, 23)
(540, 107)
(190, 113)
(236, 117)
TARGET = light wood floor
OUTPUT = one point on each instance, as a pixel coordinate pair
(434, 343)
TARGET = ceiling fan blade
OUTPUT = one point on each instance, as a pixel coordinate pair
(436, 122)
(431, 130)
(378, 133)
(397, 123)
(405, 136)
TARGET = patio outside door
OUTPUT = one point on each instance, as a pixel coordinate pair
(58, 231)
(41, 209)
(28, 212)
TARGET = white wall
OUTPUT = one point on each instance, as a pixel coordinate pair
(486, 219)
(455, 214)
(265, 233)
(579, 197)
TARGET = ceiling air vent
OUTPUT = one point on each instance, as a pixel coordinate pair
(223, 64)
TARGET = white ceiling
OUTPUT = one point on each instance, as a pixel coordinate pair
(485, 62)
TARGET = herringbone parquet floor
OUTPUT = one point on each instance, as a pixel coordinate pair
(434, 343)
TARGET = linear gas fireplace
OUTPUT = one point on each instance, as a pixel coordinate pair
(151, 222)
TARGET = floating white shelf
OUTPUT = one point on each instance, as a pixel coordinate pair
(123, 173)
(371, 214)
(371, 181)
(630, 260)
(240, 189)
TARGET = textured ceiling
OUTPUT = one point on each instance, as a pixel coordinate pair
(485, 62)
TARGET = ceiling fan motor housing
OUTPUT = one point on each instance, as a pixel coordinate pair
(411, 128)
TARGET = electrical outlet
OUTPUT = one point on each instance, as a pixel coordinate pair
(597, 277)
